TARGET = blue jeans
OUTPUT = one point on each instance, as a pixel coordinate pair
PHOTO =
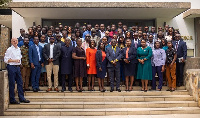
(14, 74)
(157, 69)
(35, 76)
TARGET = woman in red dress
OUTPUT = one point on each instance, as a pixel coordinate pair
(91, 64)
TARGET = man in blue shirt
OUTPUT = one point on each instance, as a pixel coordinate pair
(21, 43)
(21, 38)
(88, 31)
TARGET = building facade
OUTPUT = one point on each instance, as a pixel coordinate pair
(180, 14)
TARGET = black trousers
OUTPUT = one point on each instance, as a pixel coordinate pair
(114, 72)
(69, 81)
(179, 72)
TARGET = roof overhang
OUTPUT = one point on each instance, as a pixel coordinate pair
(100, 10)
(192, 13)
(6, 20)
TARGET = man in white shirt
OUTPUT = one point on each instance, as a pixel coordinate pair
(13, 59)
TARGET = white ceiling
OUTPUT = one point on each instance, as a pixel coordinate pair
(99, 13)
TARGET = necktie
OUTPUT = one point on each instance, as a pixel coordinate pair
(176, 45)
(114, 51)
(73, 44)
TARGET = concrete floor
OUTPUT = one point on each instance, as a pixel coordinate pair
(117, 116)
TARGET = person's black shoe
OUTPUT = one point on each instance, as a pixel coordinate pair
(15, 102)
(25, 101)
(63, 90)
(168, 90)
(145, 90)
(118, 90)
(35, 90)
(179, 84)
(111, 90)
(172, 90)
(70, 90)
(152, 89)
(38, 89)
(27, 89)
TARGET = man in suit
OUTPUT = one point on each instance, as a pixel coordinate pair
(153, 32)
(51, 53)
(136, 42)
(66, 64)
(102, 30)
(181, 49)
(36, 61)
(113, 55)
(107, 33)
(49, 34)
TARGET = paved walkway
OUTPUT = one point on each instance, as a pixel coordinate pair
(128, 116)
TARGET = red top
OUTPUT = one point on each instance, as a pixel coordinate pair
(127, 52)
(112, 33)
(103, 55)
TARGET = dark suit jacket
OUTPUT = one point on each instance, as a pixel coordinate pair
(182, 49)
(33, 55)
(132, 54)
(111, 57)
(133, 44)
(98, 34)
(99, 58)
(66, 60)
(56, 54)
(46, 38)
(60, 43)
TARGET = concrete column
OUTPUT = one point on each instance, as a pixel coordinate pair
(4, 92)
(197, 33)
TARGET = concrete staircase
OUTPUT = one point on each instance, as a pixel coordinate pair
(97, 103)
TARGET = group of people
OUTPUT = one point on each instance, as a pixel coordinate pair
(83, 53)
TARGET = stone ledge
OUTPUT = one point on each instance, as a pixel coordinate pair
(6, 17)
(182, 5)
(193, 83)
(192, 13)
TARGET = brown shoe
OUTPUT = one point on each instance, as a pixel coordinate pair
(56, 89)
(49, 89)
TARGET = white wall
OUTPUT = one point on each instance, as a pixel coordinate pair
(185, 26)
(19, 22)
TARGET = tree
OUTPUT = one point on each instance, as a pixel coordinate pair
(4, 3)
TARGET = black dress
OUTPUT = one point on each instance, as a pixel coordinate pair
(129, 69)
(79, 64)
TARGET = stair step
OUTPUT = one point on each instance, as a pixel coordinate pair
(135, 88)
(108, 98)
(100, 105)
(101, 112)
(107, 93)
